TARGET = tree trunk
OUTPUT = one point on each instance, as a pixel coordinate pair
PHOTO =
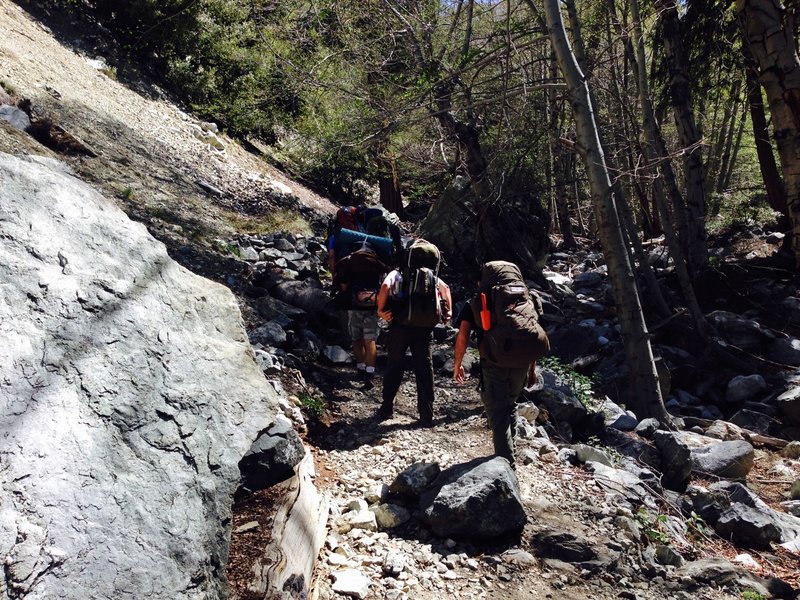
(645, 398)
(769, 34)
(776, 193)
(680, 96)
(389, 188)
(657, 153)
(729, 135)
(728, 175)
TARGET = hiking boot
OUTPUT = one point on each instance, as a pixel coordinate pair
(384, 413)
(424, 423)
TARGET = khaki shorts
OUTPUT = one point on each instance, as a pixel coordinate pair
(362, 324)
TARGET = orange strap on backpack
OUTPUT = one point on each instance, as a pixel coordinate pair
(486, 316)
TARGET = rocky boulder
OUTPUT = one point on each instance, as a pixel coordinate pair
(731, 460)
(273, 456)
(129, 394)
(478, 499)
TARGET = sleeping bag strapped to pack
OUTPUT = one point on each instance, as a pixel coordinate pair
(348, 241)
(418, 305)
(514, 338)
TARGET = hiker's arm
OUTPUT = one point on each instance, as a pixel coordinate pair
(532, 374)
(462, 342)
(383, 298)
(444, 291)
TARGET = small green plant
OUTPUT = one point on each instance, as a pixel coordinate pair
(751, 595)
(312, 404)
(226, 248)
(653, 525)
(697, 526)
(110, 72)
(612, 453)
(127, 193)
(582, 385)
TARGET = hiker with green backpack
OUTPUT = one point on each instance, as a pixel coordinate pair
(505, 316)
(413, 300)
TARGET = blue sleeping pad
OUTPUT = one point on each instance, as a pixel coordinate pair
(348, 241)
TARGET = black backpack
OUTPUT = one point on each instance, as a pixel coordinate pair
(515, 338)
(362, 271)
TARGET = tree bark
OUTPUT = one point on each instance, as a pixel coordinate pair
(645, 398)
(680, 96)
(776, 193)
(656, 153)
(769, 34)
(389, 188)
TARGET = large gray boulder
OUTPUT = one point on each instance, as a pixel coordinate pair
(128, 394)
(676, 460)
(737, 513)
(478, 499)
(732, 460)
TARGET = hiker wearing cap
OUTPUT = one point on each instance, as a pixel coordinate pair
(505, 316)
(413, 299)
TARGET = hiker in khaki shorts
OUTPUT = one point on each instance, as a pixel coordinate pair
(505, 316)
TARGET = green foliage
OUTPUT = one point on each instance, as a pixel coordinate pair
(311, 404)
(612, 453)
(697, 527)
(653, 525)
(582, 385)
(210, 53)
(226, 248)
(751, 595)
(740, 210)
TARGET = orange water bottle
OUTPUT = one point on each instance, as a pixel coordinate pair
(486, 316)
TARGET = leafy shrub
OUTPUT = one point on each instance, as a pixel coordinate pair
(582, 385)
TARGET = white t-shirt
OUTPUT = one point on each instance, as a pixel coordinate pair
(394, 280)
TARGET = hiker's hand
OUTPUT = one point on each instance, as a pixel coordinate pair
(458, 374)
(386, 315)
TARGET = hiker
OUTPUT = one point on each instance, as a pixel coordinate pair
(358, 276)
(349, 230)
(505, 316)
(412, 299)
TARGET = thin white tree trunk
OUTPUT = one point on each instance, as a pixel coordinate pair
(645, 398)
(769, 34)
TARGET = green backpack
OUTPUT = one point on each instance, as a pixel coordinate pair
(515, 338)
(420, 285)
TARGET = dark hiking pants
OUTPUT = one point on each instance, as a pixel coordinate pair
(399, 339)
(499, 392)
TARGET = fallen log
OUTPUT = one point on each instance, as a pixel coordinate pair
(298, 531)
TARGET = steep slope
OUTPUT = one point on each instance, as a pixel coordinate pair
(150, 155)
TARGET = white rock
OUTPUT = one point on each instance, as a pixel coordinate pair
(351, 582)
(529, 411)
(746, 561)
(394, 563)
